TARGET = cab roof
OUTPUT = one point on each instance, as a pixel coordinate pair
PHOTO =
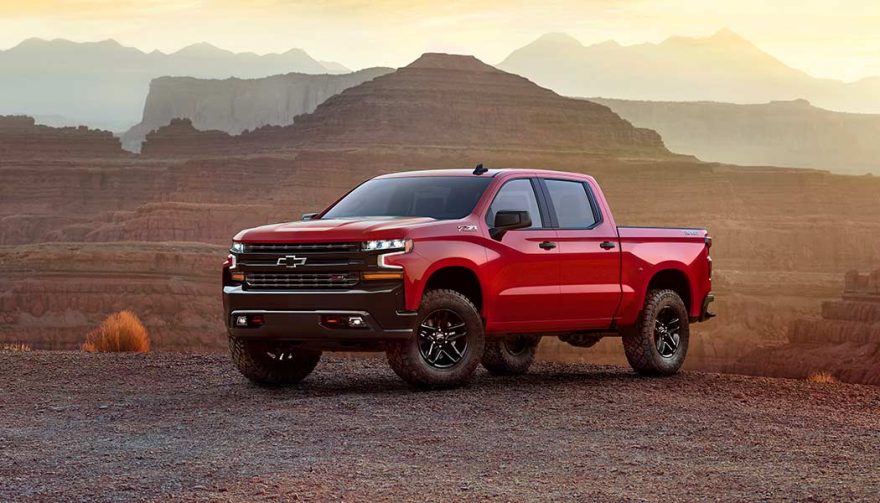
(492, 172)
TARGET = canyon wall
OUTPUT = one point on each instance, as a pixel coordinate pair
(789, 133)
(235, 105)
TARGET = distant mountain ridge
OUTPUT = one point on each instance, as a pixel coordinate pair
(722, 67)
(104, 83)
(780, 133)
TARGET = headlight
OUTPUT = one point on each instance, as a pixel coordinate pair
(237, 247)
(388, 245)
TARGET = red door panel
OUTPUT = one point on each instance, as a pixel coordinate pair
(589, 256)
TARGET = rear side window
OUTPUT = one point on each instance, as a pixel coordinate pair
(516, 195)
(572, 204)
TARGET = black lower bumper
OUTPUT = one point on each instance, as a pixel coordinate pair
(297, 315)
(705, 314)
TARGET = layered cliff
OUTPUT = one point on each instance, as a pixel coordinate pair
(22, 138)
(446, 101)
(235, 105)
(844, 340)
(786, 133)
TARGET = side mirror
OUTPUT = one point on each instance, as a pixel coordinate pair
(509, 221)
(309, 216)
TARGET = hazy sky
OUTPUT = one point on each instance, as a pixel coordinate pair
(825, 38)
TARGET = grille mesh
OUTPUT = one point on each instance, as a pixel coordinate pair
(268, 281)
(302, 247)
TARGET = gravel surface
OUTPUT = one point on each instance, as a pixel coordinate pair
(160, 426)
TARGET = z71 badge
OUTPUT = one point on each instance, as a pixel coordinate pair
(467, 228)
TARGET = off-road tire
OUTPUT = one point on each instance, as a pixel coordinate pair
(639, 342)
(511, 355)
(252, 359)
(406, 360)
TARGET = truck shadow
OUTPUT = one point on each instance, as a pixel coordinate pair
(388, 384)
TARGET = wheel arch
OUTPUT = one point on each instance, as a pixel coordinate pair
(674, 279)
(458, 277)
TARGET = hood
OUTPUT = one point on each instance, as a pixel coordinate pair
(342, 229)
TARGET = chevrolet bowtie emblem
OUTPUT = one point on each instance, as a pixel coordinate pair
(292, 261)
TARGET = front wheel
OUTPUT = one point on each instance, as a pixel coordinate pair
(272, 363)
(658, 344)
(446, 345)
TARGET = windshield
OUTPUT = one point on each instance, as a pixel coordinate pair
(440, 197)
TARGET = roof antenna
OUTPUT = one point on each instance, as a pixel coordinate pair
(479, 170)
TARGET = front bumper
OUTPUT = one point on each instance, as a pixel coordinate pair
(295, 315)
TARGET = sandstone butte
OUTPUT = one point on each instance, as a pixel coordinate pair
(437, 101)
(84, 236)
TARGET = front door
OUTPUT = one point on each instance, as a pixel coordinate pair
(524, 272)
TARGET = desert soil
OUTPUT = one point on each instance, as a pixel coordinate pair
(178, 426)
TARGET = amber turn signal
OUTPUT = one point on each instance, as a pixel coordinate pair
(237, 276)
(382, 276)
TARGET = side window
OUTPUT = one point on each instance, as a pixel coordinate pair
(572, 203)
(516, 195)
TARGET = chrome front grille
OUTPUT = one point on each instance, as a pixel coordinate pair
(302, 248)
(296, 280)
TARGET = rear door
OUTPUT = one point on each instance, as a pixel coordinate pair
(589, 254)
(525, 273)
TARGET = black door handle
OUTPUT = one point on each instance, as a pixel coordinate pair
(607, 245)
(547, 245)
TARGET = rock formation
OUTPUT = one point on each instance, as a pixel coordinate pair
(446, 101)
(181, 138)
(235, 105)
(22, 138)
(844, 341)
(789, 133)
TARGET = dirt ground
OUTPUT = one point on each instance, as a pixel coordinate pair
(187, 427)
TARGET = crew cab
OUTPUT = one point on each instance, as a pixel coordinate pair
(447, 269)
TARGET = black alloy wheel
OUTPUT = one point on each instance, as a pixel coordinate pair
(667, 328)
(442, 339)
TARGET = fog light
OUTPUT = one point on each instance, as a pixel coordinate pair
(249, 320)
(343, 321)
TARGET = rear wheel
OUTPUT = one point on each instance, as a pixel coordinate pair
(659, 343)
(512, 355)
(446, 344)
(272, 363)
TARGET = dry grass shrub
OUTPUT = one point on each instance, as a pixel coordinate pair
(119, 332)
(822, 378)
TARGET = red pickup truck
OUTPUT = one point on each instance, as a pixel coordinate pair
(447, 269)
